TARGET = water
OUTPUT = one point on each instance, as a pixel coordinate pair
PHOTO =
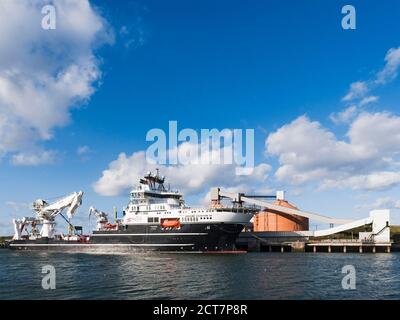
(199, 276)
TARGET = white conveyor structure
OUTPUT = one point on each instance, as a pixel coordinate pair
(380, 219)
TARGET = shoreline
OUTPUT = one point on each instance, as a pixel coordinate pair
(3, 240)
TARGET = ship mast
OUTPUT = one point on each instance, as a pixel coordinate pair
(155, 182)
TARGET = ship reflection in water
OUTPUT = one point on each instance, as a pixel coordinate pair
(199, 276)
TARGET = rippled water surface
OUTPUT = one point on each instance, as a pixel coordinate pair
(199, 276)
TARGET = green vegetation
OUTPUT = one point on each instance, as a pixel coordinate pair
(394, 230)
(3, 239)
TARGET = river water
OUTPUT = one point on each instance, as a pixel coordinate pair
(199, 276)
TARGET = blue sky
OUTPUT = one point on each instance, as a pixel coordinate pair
(205, 64)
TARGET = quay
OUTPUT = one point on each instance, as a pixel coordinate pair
(297, 242)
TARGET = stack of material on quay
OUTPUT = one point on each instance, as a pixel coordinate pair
(270, 221)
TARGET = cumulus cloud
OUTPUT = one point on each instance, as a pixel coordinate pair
(308, 152)
(45, 73)
(192, 177)
(377, 134)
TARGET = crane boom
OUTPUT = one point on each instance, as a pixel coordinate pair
(101, 217)
(45, 210)
(46, 213)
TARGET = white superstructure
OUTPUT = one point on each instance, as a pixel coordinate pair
(151, 202)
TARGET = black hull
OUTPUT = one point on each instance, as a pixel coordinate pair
(134, 238)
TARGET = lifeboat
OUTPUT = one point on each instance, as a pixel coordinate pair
(170, 223)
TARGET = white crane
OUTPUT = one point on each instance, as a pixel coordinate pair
(46, 214)
(101, 217)
(20, 224)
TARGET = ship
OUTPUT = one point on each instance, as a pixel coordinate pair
(155, 219)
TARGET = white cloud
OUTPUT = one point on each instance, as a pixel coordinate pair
(390, 71)
(308, 152)
(83, 153)
(33, 158)
(344, 116)
(380, 203)
(368, 100)
(124, 172)
(376, 133)
(357, 90)
(45, 73)
(374, 181)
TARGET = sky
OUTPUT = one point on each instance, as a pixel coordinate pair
(76, 102)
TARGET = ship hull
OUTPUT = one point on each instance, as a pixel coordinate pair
(139, 238)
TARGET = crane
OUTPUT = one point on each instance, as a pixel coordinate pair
(46, 214)
(101, 217)
(238, 198)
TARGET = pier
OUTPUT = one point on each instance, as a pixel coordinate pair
(295, 242)
(346, 245)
